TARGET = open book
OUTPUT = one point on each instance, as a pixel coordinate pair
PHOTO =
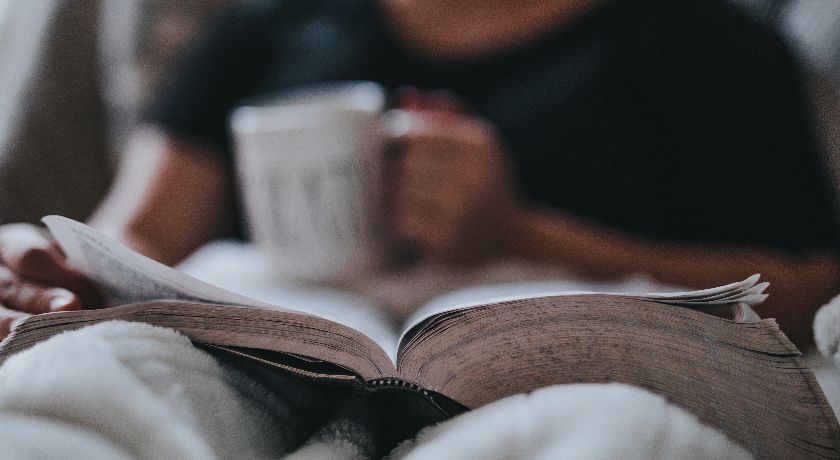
(704, 350)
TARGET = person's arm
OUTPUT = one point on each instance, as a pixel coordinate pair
(799, 283)
(170, 198)
(453, 195)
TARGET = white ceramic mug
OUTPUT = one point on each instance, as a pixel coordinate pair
(311, 170)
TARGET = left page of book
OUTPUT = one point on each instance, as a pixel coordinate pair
(130, 277)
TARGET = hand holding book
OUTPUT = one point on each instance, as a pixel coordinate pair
(35, 277)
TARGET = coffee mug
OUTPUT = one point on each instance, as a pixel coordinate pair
(310, 165)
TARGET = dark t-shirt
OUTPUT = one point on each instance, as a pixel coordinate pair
(675, 119)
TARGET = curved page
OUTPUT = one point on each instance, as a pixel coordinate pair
(130, 277)
(748, 292)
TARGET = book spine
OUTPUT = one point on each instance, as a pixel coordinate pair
(398, 383)
(442, 405)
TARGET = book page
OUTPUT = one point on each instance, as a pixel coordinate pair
(748, 292)
(246, 269)
(747, 380)
(129, 277)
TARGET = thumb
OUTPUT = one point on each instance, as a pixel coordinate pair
(33, 298)
(27, 251)
(440, 101)
(31, 255)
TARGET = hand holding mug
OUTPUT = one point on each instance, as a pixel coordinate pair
(451, 190)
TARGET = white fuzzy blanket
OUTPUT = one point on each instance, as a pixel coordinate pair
(826, 365)
(120, 390)
(827, 330)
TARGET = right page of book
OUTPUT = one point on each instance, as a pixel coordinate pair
(738, 296)
(745, 378)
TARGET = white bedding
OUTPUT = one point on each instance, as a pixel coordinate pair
(120, 390)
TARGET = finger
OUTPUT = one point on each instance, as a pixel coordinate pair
(431, 236)
(419, 168)
(9, 319)
(61, 275)
(436, 158)
(456, 129)
(398, 123)
(426, 215)
(424, 205)
(31, 255)
(419, 178)
(406, 98)
(429, 168)
(17, 240)
(34, 298)
(401, 125)
(453, 137)
(441, 100)
(445, 101)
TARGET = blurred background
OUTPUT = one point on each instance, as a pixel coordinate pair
(75, 74)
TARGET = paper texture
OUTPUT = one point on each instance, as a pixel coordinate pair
(129, 277)
(748, 292)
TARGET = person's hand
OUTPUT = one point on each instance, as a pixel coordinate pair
(36, 278)
(451, 190)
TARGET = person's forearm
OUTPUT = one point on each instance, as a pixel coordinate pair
(799, 283)
(171, 197)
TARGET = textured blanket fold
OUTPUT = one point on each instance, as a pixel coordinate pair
(121, 390)
(131, 390)
(827, 330)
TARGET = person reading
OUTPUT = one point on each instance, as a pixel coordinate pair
(671, 138)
